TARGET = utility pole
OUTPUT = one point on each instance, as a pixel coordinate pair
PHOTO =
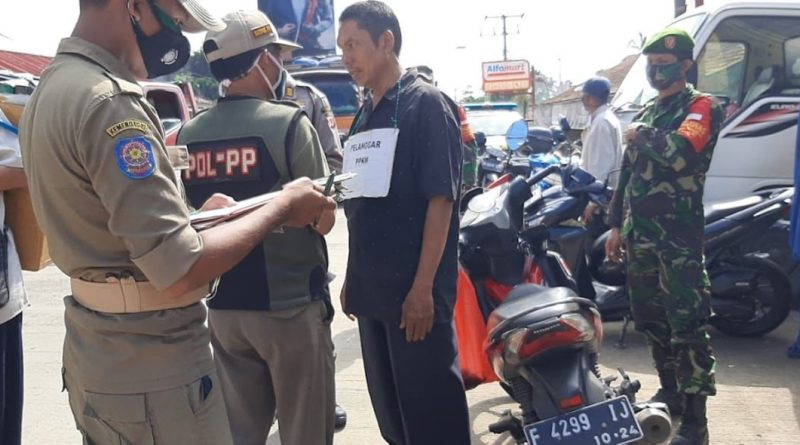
(504, 18)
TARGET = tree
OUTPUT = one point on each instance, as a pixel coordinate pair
(546, 86)
(198, 72)
(637, 42)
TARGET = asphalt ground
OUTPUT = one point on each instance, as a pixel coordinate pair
(758, 401)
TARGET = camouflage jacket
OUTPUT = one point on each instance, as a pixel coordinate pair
(660, 192)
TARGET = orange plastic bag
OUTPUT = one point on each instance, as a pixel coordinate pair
(471, 334)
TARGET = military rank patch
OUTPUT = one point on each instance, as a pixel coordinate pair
(696, 128)
(130, 124)
(289, 92)
(135, 157)
(265, 30)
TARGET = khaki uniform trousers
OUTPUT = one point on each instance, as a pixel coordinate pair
(192, 414)
(280, 361)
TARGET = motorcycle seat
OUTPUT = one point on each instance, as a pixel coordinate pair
(720, 210)
(595, 187)
(534, 303)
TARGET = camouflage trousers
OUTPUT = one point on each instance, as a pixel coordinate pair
(670, 301)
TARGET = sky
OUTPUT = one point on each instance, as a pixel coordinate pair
(564, 39)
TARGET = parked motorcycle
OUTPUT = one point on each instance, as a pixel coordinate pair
(751, 295)
(543, 341)
(530, 150)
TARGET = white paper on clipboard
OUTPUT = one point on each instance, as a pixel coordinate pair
(370, 155)
(206, 219)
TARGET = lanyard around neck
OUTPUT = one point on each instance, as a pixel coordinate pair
(395, 118)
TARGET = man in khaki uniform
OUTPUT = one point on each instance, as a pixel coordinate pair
(270, 319)
(137, 360)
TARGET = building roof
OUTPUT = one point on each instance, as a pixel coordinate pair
(23, 63)
(615, 75)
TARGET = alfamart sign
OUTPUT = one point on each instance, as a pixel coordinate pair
(508, 76)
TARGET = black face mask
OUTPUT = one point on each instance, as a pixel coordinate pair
(164, 52)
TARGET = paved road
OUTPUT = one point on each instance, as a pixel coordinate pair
(758, 402)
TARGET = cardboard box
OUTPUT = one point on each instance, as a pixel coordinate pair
(31, 242)
(12, 109)
(28, 236)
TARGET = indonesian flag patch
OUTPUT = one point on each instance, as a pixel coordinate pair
(696, 128)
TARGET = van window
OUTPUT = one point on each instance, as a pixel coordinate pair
(792, 51)
(750, 57)
(721, 69)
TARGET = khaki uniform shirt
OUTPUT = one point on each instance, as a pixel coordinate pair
(106, 197)
(318, 109)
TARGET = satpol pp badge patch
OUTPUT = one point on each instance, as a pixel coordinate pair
(135, 157)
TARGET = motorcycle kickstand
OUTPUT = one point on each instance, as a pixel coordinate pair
(621, 342)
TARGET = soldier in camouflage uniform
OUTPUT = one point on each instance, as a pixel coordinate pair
(657, 212)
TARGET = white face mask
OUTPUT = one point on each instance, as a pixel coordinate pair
(278, 89)
(224, 84)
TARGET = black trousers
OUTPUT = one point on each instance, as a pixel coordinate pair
(11, 381)
(416, 388)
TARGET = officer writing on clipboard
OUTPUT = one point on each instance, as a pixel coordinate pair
(137, 357)
(401, 213)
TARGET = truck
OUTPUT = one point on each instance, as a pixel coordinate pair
(747, 55)
(174, 103)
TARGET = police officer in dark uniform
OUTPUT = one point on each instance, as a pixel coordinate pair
(318, 108)
(402, 268)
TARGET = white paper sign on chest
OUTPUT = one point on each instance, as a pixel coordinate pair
(371, 156)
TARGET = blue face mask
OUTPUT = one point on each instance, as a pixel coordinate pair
(663, 76)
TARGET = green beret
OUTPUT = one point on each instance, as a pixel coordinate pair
(670, 41)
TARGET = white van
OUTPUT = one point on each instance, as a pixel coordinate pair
(748, 55)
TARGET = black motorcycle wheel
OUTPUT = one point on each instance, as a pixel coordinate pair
(771, 299)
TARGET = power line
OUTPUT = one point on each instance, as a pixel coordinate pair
(504, 18)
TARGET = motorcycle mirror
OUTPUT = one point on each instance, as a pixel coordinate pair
(516, 134)
(480, 138)
(564, 124)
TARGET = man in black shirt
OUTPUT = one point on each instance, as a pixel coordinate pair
(402, 266)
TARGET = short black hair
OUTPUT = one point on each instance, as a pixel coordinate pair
(375, 17)
(234, 67)
(92, 3)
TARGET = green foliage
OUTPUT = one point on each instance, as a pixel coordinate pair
(546, 87)
(199, 74)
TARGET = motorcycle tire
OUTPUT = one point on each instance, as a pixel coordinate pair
(774, 300)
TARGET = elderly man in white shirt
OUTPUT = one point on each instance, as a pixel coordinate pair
(12, 294)
(602, 139)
